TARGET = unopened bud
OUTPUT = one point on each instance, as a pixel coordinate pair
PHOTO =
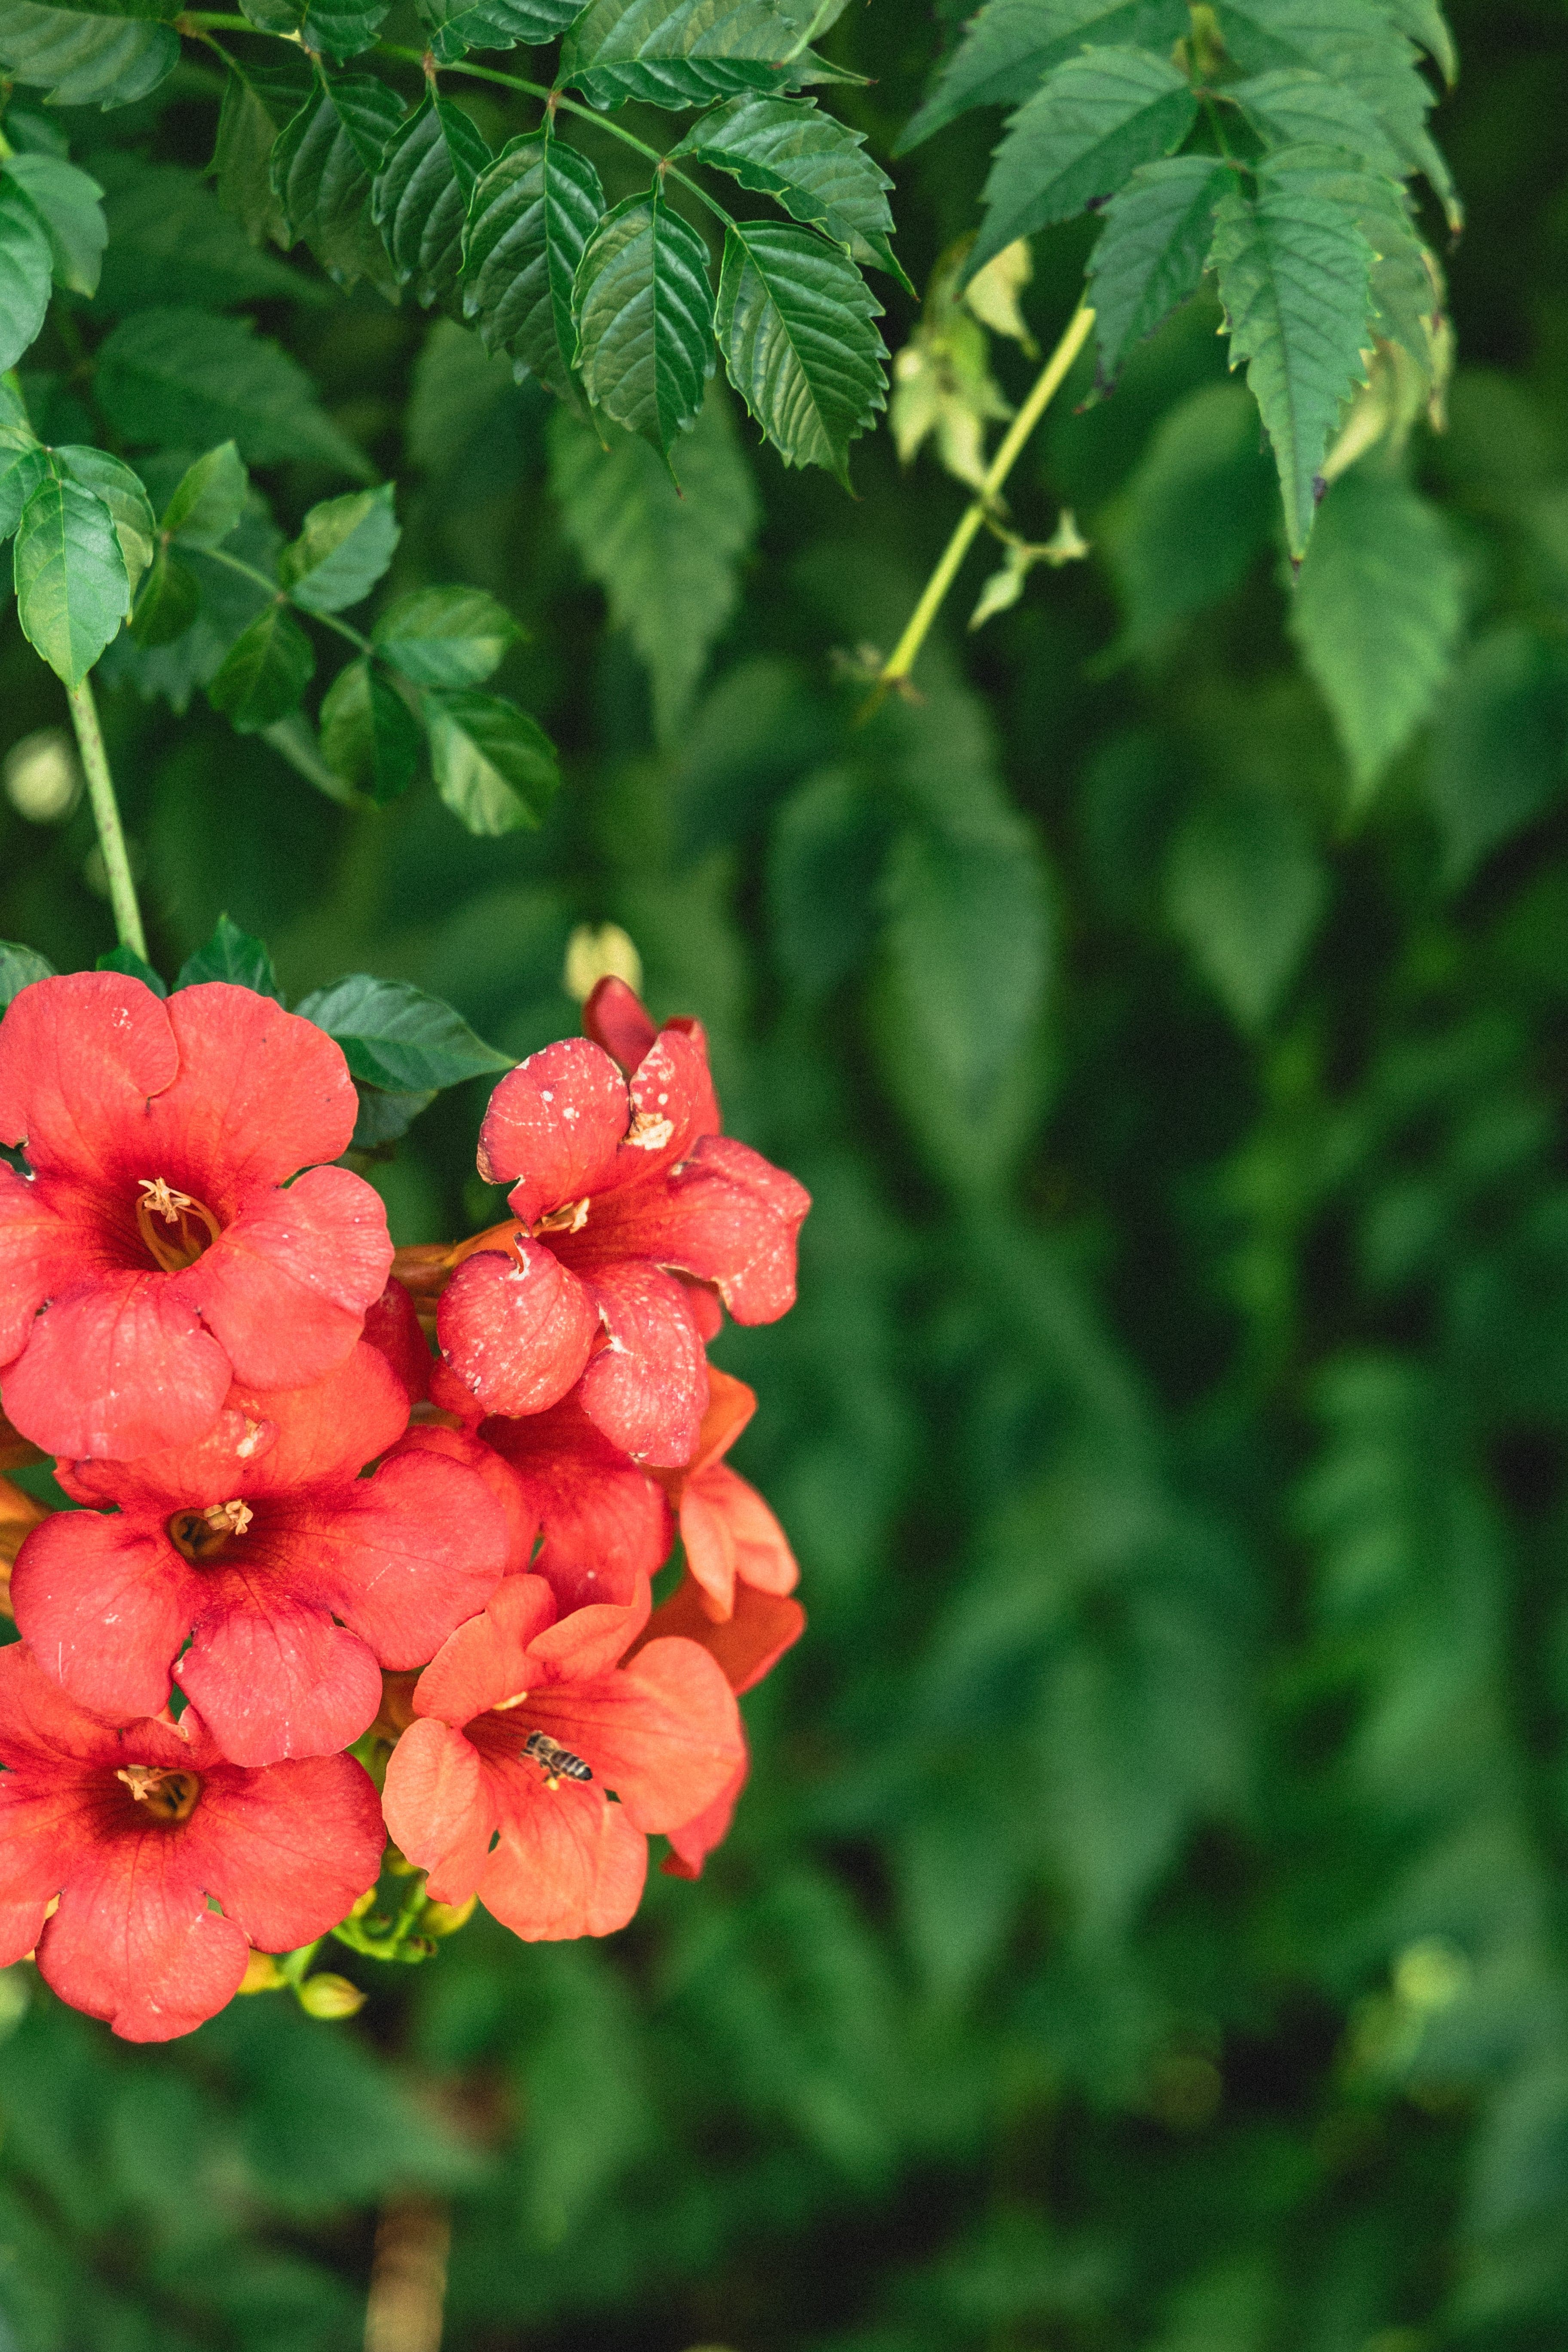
(327, 1995)
(359, 1908)
(446, 1918)
(262, 1974)
(603, 953)
(42, 777)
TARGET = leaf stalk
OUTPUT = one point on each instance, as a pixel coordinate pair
(106, 817)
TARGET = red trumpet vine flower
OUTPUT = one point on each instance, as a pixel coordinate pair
(155, 1252)
(727, 1529)
(621, 1185)
(526, 1724)
(295, 1579)
(135, 1829)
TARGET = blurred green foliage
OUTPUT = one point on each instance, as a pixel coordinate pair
(1144, 1927)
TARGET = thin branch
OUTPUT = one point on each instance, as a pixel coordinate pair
(106, 817)
(282, 596)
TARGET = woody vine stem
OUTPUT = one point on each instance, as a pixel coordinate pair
(106, 817)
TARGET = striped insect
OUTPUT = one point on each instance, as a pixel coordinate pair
(555, 1762)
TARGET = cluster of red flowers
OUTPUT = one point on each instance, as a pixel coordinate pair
(301, 1526)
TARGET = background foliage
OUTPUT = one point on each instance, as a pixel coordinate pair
(1144, 1927)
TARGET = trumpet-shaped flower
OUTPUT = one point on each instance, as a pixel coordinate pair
(155, 1253)
(116, 1843)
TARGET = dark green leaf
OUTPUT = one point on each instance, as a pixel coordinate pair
(322, 167)
(495, 768)
(26, 282)
(265, 672)
(676, 53)
(135, 967)
(445, 636)
(493, 24)
(795, 326)
(1079, 139)
(1009, 47)
(533, 214)
(1152, 250)
(1407, 288)
(208, 500)
(169, 601)
(1294, 275)
(124, 494)
(257, 103)
(344, 546)
(369, 736)
(397, 1038)
(85, 60)
(421, 196)
(340, 29)
(1499, 746)
(813, 165)
(1296, 106)
(644, 314)
(1244, 889)
(233, 955)
(71, 588)
(70, 205)
(1195, 517)
(168, 229)
(177, 378)
(19, 967)
(825, 856)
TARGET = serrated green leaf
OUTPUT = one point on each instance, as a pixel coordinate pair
(344, 546)
(1407, 287)
(495, 767)
(813, 165)
(177, 378)
(80, 60)
(1077, 140)
(70, 206)
(208, 498)
(235, 956)
(265, 672)
(1152, 250)
(420, 196)
(323, 168)
(667, 561)
(530, 220)
(493, 24)
(1294, 275)
(445, 636)
(1423, 21)
(26, 275)
(1295, 105)
(676, 53)
(124, 494)
(19, 967)
(168, 229)
(1377, 614)
(71, 588)
(643, 310)
(168, 602)
(795, 326)
(257, 103)
(1499, 746)
(23, 463)
(135, 967)
(397, 1038)
(1195, 516)
(1009, 47)
(339, 29)
(1244, 889)
(369, 736)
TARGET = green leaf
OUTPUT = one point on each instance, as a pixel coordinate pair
(1407, 288)
(341, 28)
(230, 601)
(71, 207)
(322, 167)
(676, 53)
(1009, 47)
(395, 1038)
(265, 672)
(168, 229)
(1377, 615)
(208, 500)
(445, 636)
(1500, 748)
(814, 166)
(1079, 139)
(1296, 106)
(1152, 250)
(1245, 890)
(1294, 276)
(233, 955)
(495, 767)
(343, 550)
(183, 379)
(124, 494)
(667, 561)
(530, 217)
(71, 588)
(135, 967)
(26, 275)
(369, 736)
(168, 602)
(493, 24)
(19, 967)
(85, 60)
(23, 463)
(1423, 21)
(257, 103)
(1195, 516)
(644, 314)
(795, 326)
(826, 850)
(421, 196)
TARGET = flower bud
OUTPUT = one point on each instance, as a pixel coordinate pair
(446, 1918)
(327, 1995)
(607, 953)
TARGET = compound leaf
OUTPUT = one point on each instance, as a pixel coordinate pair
(795, 325)
(644, 314)
(1008, 48)
(532, 214)
(811, 164)
(1152, 250)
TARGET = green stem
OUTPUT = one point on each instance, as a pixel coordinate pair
(250, 572)
(106, 817)
(902, 660)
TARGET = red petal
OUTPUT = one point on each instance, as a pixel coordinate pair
(275, 1677)
(672, 1105)
(134, 1942)
(402, 1559)
(440, 1808)
(517, 1331)
(664, 1735)
(80, 1058)
(567, 1864)
(118, 1368)
(458, 1445)
(21, 1923)
(730, 1404)
(486, 1661)
(286, 1287)
(106, 1604)
(259, 1093)
(747, 1646)
(40, 1724)
(211, 1471)
(695, 1840)
(615, 1018)
(707, 1309)
(586, 1643)
(35, 1256)
(553, 1126)
(392, 1325)
(710, 1550)
(647, 1390)
(287, 1850)
(727, 1215)
(759, 1545)
(323, 1433)
(604, 1520)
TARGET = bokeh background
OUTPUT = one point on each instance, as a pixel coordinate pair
(1145, 1928)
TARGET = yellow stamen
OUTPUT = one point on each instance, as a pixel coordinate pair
(228, 1518)
(195, 1224)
